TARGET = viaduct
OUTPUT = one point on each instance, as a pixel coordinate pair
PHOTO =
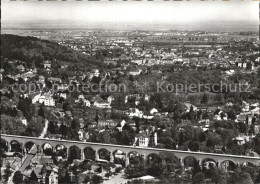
(201, 157)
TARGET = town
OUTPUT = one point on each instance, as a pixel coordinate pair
(43, 95)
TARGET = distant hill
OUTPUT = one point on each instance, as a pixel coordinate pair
(32, 49)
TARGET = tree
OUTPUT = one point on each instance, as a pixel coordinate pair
(181, 139)
(63, 130)
(218, 175)
(7, 172)
(51, 127)
(232, 114)
(97, 179)
(33, 178)
(41, 111)
(87, 179)
(240, 178)
(134, 171)
(204, 98)
(97, 117)
(198, 178)
(18, 177)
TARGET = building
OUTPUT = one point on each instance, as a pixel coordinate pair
(47, 64)
(145, 138)
(83, 135)
(102, 104)
(52, 177)
(86, 103)
(49, 101)
(55, 79)
(245, 106)
(24, 121)
(46, 99)
(120, 125)
(106, 122)
(20, 68)
(135, 72)
(153, 111)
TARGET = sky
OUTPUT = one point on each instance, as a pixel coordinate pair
(157, 11)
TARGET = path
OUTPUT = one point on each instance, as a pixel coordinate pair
(44, 131)
(117, 179)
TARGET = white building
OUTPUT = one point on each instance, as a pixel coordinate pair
(46, 99)
(102, 104)
(23, 120)
(153, 111)
(86, 103)
(121, 125)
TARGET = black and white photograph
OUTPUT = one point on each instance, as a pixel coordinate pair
(130, 92)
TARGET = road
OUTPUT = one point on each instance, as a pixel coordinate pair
(44, 131)
(28, 158)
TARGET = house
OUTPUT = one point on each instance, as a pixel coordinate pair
(81, 97)
(37, 171)
(188, 106)
(62, 87)
(134, 112)
(245, 106)
(102, 104)
(135, 72)
(46, 99)
(62, 95)
(144, 138)
(48, 70)
(20, 68)
(36, 98)
(49, 101)
(110, 99)
(52, 177)
(94, 73)
(55, 80)
(138, 62)
(242, 118)
(110, 62)
(106, 122)
(229, 104)
(83, 135)
(47, 64)
(86, 103)
(153, 111)
(120, 125)
(23, 120)
(240, 140)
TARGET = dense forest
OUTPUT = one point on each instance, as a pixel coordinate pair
(32, 51)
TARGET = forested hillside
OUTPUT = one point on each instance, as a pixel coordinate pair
(31, 49)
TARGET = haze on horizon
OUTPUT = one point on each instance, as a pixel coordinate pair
(130, 12)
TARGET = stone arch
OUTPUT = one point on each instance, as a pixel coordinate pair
(190, 161)
(104, 154)
(16, 146)
(208, 163)
(74, 153)
(3, 145)
(30, 147)
(119, 157)
(248, 164)
(47, 149)
(134, 157)
(61, 150)
(89, 153)
(153, 158)
(228, 165)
